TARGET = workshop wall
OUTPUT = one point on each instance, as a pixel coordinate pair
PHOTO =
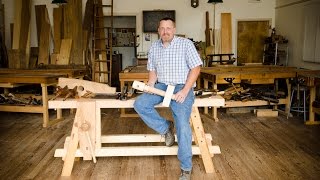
(190, 21)
(290, 19)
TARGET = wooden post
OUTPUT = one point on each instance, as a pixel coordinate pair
(83, 133)
(201, 139)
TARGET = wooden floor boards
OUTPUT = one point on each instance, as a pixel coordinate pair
(252, 148)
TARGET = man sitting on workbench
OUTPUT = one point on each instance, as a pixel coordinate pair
(172, 60)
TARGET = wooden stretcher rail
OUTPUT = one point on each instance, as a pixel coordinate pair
(138, 151)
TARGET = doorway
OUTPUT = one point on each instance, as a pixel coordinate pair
(124, 38)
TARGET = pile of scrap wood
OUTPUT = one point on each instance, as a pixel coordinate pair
(240, 93)
(16, 99)
(64, 36)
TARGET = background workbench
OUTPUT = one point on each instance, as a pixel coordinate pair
(312, 79)
(263, 74)
(253, 74)
(128, 75)
(11, 78)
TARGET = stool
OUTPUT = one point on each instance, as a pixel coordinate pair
(299, 108)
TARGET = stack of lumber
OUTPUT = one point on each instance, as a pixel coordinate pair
(64, 40)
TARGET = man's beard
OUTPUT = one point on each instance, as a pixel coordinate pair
(166, 37)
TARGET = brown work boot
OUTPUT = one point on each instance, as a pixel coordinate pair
(169, 136)
(185, 175)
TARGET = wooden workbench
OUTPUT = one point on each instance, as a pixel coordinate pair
(248, 74)
(45, 80)
(312, 79)
(11, 78)
(129, 75)
(72, 73)
(254, 74)
(86, 132)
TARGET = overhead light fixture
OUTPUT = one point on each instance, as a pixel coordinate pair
(215, 1)
(59, 2)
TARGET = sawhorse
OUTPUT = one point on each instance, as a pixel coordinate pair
(86, 132)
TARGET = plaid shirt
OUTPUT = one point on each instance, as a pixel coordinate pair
(172, 64)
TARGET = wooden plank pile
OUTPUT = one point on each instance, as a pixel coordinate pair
(60, 45)
(239, 92)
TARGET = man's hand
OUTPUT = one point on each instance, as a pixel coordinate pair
(192, 78)
(150, 84)
(181, 95)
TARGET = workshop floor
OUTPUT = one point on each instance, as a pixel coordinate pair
(252, 148)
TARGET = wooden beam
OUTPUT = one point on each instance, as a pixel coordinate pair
(44, 39)
(266, 113)
(57, 28)
(65, 50)
(138, 138)
(72, 20)
(201, 140)
(17, 24)
(21, 31)
(226, 33)
(44, 43)
(41, 13)
(138, 151)
(115, 103)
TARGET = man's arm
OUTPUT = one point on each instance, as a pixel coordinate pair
(192, 78)
(152, 78)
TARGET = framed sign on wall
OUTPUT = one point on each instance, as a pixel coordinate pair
(151, 19)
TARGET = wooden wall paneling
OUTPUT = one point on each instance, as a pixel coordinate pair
(72, 21)
(226, 33)
(57, 28)
(44, 41)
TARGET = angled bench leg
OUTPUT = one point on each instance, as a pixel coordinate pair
(82, 131)
(72, 147)
(200, 138)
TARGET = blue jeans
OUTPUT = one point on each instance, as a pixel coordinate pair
(144, 106)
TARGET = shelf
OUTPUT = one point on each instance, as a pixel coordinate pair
(272, 52)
